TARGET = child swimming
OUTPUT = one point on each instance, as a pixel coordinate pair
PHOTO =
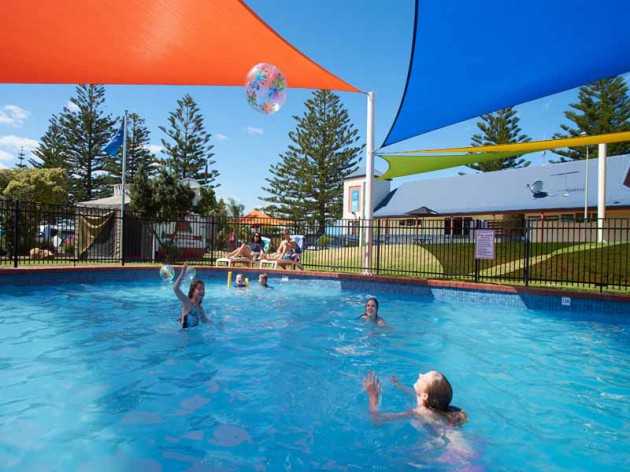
(192, 311)
(239, 281)
(371, 312)
(433, 394)
(263, 281)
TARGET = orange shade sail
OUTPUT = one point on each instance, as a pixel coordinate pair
(258, 217)
(167, 42)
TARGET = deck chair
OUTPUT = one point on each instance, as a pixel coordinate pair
(246, 261)
(294, 262)
(233, 261)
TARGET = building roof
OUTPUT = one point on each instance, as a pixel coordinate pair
(561, 187)
(360, 172)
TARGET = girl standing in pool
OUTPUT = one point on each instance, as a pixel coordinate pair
(192, 311)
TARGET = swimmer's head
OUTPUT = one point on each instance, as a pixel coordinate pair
(240, 280)
(197, 291)
(262, 279)
(433, 391)
(371, 307)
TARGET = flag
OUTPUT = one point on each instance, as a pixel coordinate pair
(114, 145)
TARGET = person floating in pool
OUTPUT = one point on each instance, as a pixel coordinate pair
(371, 313)
(262, 281)
(433, 393)
(192, 311)
(240, 282)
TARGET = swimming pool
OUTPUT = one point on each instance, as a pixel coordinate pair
(98, 377)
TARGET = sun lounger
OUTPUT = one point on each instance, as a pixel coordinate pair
(233, 261)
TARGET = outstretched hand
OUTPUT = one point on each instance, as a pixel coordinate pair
(372, 386)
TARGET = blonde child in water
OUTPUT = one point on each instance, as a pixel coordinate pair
(433, 394)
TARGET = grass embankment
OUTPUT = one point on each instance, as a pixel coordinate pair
(550, 264)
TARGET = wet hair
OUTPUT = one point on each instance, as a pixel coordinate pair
(439, 392)
(375, 301)
(193, 287)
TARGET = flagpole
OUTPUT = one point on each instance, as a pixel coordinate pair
(123, 189)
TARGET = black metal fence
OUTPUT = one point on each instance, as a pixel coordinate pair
(559, 252)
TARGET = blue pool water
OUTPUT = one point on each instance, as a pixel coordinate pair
(98, 377)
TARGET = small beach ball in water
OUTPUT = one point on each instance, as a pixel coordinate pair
(191, 273)
(167, 273)
(265, 88)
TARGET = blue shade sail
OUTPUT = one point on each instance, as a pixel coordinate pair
(474, 57)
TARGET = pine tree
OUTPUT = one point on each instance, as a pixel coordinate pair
(138, 152)
(308, 181)
(188, 155)
(85, 132)
(501, 127)
(21, 157)
(160, 200)
(50, 152)
(603, 107)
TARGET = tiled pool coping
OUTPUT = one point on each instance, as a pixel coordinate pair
(530, 297)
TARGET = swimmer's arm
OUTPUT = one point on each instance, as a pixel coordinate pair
(378, 416)
(178, 292)
(402, 388)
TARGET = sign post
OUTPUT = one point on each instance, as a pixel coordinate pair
(484, 247)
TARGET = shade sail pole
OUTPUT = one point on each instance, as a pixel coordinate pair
(123, 189)
(369, 181)
(601, 193)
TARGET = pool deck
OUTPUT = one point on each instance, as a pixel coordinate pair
(431, 283)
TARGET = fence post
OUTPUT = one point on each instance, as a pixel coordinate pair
(378, 246)
(16, 236)
(526, 271)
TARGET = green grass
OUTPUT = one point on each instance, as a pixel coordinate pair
(551, 264)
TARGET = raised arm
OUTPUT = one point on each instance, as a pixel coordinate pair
(402, 388)
(181, 295)
(372, 386)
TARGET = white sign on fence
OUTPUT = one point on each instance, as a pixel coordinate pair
(484, 244)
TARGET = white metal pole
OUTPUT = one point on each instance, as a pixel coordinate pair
(601, 192)
(586, 236)
(586, 189)
(123, 188)
(369, 178)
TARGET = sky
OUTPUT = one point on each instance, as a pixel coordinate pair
(365, 42)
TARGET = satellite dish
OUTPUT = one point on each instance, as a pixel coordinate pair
(536, 189)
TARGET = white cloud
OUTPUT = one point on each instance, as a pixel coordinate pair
(13, 115)
(73, 107)
(5, 156)
(3, 167)
(253, 130)
(16, 143)
(155, 148)
(220, 137)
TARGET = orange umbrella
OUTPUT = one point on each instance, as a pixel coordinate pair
(258, 218)
(173, 42)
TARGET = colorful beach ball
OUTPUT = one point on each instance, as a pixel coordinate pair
(191, 273)
(167, 273)
(265, 88)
